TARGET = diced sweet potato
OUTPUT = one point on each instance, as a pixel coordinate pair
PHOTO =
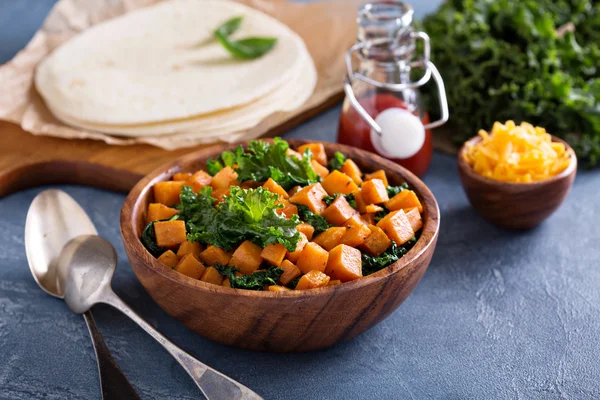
(339, 211)
(338, 182)
(373, 208)
(274, 187)
(168, 192)
(170, 234)
(405, 200)
(378, 175)
(414, 217)
(219, 194)
(360, 203)
(250, 184)
(374, 192)
(317, 150)
(330, 238)
(294, 255)
(294, 190)
(356, 234)
(224, 179)
(397, 227)
(319, 169)
(226, 283)
(190, 266)
(246, 258)
(312, 280)
(355, 220)
(157, 211)
(312, 257)
(368, 218)
(288, 209)
(211, 275)
(345, 263)
(377, 242)
(277, 288)
(290, 272)
(214, 255)
(188, 247)
(312, 197)
(307, 229)
(273, 254)
(351, 169)
(169, 258)
(199, 180)
(182, 176)
(334, 282)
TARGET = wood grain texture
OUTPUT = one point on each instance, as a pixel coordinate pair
(279, 321)
(515, 205)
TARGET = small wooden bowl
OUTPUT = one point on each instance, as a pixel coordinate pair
(515, 205)
(279, 321)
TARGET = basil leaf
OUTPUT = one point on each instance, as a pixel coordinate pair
(229, 26)
(248, 48)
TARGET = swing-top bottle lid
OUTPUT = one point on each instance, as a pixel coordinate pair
(389, 21)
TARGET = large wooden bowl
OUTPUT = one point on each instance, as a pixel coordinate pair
(515, 205)
(278, 321)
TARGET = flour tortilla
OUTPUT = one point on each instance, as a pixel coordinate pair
(161, 63)
(287, 97)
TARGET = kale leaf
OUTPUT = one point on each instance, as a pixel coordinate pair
(394, 190)
(254, 281)
(148, 238)
(336, 161)
(349, 197)
(244, 214)
(329, 199)
(317, 221)
(372, 264)
(293, 283)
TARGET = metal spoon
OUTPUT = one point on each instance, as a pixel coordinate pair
(85, 269)
(53, 219)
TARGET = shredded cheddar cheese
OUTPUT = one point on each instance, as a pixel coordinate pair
(517, 153)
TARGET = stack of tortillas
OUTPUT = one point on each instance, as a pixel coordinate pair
(158, 72)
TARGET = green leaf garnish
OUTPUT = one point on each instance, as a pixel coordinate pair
(254, 281)
(317, 221)
(372, 264)
(336, 161)
(246, 48)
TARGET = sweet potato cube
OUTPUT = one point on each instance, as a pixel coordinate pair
(250, 184)
(373, 208)
(290, 272)
(374, 192)
(356, 234)
(339, 211)
(214, 255)
(355, 220)
(170, 234)
(351, 169)
(368, 218)
(169, 258)
(414, 217)
(338, 182)
(219, 194)
(211, 275)
(312, 257)
(377, 242)
(226, 283)
(360, 203)
(182, 176)
(157, 211)
(345, 263)
(319, 169)
(276, 188)
(277, 288)
(293, 256)
(334, 282)
(224, 179)
(317, 150)
(273, 254)
(405, 200)
(168, 192)
(190, 266)
(288, 209)
(199, 180)
(312, 280)
(307, 229)
(188, 247)
(246, 258)
(294, 190)
(378, 175)
(397, 227)
(312, 197)
(330, 238)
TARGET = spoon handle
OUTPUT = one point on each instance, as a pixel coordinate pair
(113, 383)
(213, 384)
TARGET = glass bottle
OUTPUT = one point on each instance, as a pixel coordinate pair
(380, 69)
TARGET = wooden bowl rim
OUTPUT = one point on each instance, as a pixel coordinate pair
(468, 170)
(131, 207)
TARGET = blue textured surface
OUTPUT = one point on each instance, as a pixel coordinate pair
(498, 314)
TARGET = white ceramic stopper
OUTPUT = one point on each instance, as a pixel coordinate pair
(403, 134)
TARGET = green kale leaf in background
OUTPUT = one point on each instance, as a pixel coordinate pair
(504, 60)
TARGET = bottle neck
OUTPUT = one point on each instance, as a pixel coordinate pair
(385, 71)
